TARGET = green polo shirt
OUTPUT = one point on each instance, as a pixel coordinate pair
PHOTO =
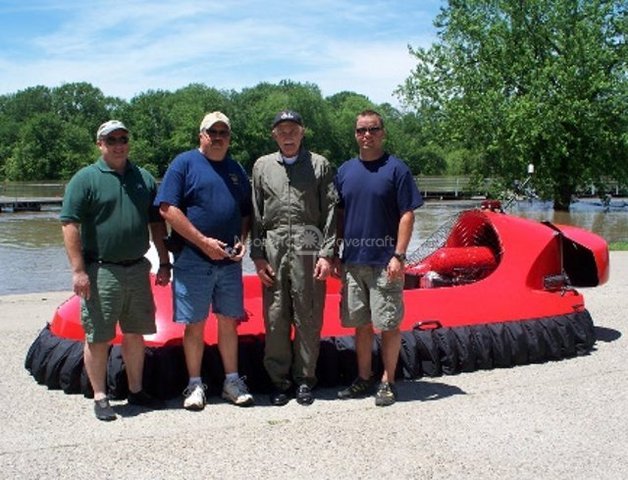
(113, 210)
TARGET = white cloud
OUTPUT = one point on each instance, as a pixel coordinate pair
(127, 48)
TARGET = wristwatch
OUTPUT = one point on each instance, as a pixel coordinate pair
(400, 256)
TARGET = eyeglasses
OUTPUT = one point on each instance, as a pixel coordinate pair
(217, 133)
(371, 130)
(111, 141)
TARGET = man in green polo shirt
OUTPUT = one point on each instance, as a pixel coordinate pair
(106, 214)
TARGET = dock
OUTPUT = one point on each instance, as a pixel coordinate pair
(26, 204)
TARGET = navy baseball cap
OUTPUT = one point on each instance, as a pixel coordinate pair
(287, 116)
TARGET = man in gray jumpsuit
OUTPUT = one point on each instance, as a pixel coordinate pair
(292, 246)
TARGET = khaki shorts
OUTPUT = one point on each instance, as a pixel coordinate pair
(369, 296)
(118, 294)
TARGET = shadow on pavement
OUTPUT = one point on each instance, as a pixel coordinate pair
(608, 335)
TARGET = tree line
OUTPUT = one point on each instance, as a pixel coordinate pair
(506, 84)
(49, 133)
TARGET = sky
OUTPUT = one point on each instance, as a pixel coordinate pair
(128, 47)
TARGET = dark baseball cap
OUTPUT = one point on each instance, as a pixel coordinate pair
(287, 116)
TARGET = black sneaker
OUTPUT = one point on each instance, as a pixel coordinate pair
(143, 399)
(103, 410)
(304, 395)
(386, 394)
(358, 389)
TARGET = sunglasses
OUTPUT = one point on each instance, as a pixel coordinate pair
(371, 130)
(111, 141)
(217, 133)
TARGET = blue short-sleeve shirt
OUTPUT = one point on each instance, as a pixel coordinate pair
(215, 195)
(374, 195)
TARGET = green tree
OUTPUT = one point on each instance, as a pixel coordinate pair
(410, 140)
(406, 136)
(254, 109)
(26, 103)
(344, 107)
(83, 104)
(75, 149)
(8, 136)
(15, 109)
(49, 148)
(164, 124)
(148, 118)
(49, 133)
(539, 81)
(188, 106)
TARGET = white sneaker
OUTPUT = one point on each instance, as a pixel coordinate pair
(194, 396)
(237, 392)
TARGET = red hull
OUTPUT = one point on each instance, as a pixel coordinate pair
(526, 253)
(492, 291)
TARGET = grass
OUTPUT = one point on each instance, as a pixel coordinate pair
(618, 246)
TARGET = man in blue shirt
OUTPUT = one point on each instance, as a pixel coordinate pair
(377, 199)
(205, 196)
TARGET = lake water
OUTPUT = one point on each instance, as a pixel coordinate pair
(32, 257)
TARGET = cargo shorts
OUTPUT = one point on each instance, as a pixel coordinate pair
(369, 296)
(119, 294)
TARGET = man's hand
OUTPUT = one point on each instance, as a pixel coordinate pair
(322, 269)
(265, 272)
(336, 268)
(163, 275)
(395, 268)
(81, 284)
(214, 249)
(240, 249)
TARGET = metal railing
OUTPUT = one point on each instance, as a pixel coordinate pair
(454, 187)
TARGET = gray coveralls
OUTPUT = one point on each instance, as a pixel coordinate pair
(294, 224)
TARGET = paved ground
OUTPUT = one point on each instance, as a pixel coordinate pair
(564, 419)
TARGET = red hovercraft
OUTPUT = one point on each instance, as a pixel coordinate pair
(486, 290)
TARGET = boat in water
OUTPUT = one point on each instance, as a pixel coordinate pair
(486, 290)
